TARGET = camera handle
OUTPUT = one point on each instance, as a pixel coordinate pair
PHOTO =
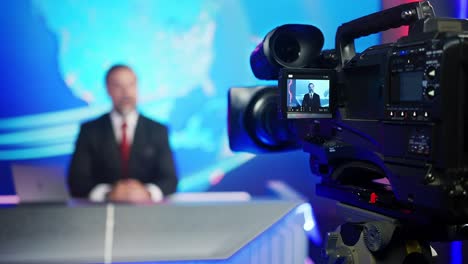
(371, 238)
(405, 14)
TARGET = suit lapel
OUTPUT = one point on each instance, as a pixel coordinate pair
(111, 147)
(139, 139)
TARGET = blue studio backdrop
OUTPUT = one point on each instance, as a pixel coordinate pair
(186, 54)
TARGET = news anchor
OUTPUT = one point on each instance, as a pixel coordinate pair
(311, 99)
(122, 156)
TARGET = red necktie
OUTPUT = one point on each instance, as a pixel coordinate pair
(124, 151)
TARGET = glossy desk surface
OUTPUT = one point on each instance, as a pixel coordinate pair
(85, 232)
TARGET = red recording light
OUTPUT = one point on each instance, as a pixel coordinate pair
(373, 198)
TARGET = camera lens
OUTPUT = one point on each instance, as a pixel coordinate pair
(287, 48)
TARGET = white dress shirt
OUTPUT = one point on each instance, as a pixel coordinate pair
(117, 120)
(100, 191)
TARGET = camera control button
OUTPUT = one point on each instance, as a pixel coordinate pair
(431, 72)
(430, 92)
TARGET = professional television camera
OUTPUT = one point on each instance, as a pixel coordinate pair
(386, 129)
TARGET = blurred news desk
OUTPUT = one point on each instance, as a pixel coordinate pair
(263, 231)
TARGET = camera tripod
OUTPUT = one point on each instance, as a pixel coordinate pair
(370, 238)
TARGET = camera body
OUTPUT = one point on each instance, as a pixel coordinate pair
(386, 129)
(401, 114)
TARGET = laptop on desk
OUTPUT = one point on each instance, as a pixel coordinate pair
(40, 183)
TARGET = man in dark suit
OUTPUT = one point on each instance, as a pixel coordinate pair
(122, 155)
(311, 99)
